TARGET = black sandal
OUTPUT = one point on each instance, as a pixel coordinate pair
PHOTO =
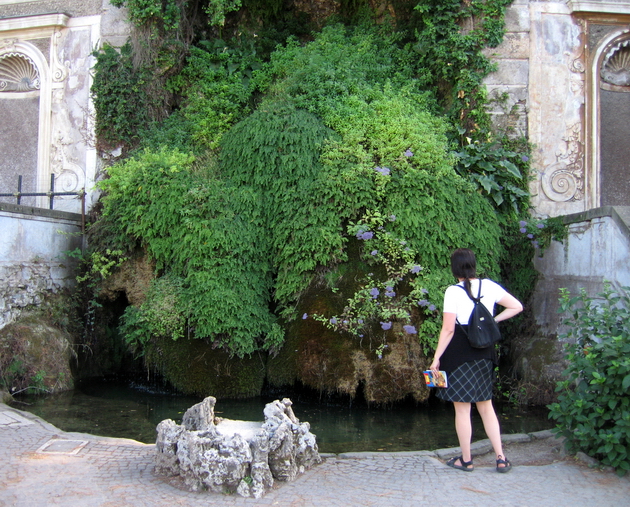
(464, 464)
(507, 466)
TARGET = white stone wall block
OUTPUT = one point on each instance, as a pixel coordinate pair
(509, 72)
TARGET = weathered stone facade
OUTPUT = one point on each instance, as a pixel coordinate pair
(31, 256)
(47, 127)
(565, 67)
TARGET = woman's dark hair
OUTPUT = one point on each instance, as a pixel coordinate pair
(464, 265)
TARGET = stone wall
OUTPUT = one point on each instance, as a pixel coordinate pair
(508, 87)
(54, 41)
(596, 250)
(32, 263)
(549, 81)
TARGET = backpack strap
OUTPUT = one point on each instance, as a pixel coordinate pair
(476, 300)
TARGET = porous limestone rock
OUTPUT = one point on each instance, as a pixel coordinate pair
(223, 455)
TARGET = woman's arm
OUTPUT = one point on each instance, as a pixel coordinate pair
(512, 307)
(446, 334)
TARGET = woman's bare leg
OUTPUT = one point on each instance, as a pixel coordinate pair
(463, 427)
(491, 425)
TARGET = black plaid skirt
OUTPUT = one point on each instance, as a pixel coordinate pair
(469, 383)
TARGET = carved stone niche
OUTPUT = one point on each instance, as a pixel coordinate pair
(18, 73)
(614, 111)
(615, 69)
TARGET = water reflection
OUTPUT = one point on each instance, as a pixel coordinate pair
(128, 410)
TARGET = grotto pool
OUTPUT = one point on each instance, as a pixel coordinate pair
(127, 409)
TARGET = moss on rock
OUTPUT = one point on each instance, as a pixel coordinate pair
(35, 355)
(339, 363)
(197, 367)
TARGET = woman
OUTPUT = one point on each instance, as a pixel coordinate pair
(470, 370)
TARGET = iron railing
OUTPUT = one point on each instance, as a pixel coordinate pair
(51, 194)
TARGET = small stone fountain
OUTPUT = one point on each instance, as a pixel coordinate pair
(222, 455)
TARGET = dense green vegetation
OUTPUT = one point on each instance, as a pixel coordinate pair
(367, 140)
(593, 408)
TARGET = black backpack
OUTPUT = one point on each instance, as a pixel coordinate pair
(483, 330)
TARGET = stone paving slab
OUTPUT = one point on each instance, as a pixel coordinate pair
(85, 470)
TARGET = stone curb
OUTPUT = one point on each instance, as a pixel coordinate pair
(69, 434)
(370, 454)
(592, 462)
(478, 448)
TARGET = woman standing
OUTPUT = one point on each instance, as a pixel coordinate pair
(470, 370)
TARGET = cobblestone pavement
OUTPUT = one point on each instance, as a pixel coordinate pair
(43, 466)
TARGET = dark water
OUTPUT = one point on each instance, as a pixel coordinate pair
(128, 410)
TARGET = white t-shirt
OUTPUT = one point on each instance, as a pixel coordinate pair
(457, 301)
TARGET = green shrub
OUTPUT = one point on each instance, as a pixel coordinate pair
(163, 314)
(343, 133)
(120, 100)
(200, 230)
(276, 152)
(216, 86)
(340, 62)
(389, 157)
(451, 38)
(593, 408)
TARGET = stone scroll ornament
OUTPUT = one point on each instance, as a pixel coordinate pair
(18, 73)
(560, 184)
(225, 456)
(615, 68)
(564, 180)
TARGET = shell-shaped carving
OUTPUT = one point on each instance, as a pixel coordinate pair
(18, 74)
(616, 66)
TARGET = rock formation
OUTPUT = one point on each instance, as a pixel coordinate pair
(246, 457)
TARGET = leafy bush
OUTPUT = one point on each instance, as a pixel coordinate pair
(216, 87)
(200, 230)
(340, 62)
(451, 37)
(163, 314)
(495, 171)
(389, 157)
(169, 14)
(294, 181)
(120, 100)
(593, 408)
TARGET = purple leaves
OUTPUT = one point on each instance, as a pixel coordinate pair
(409, 329)
(383, 170)
(386, 325)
